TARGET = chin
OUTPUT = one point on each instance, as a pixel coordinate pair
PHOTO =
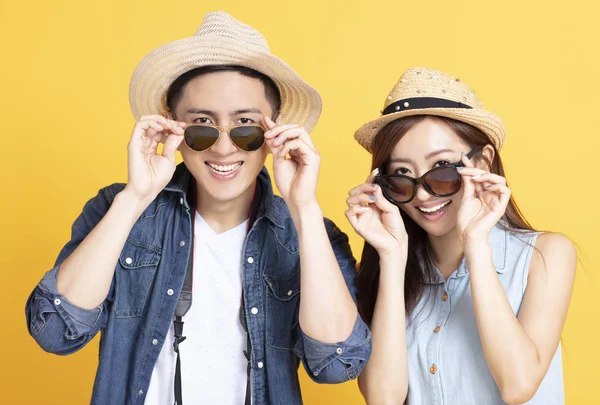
(224, 191)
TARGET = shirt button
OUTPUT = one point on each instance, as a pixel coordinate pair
(181, 201)
(141, 392)
(445, 296)
(182, 243)
(254, 311)
(339, 350)
(170, 291)
(433, 369)
(57, 302)
(250, 260)
(260, 364)
(290, 292)
(128, 260)
(437, 329)
(155, 342)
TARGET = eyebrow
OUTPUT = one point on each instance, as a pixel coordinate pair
(210, 113)
(428, 156)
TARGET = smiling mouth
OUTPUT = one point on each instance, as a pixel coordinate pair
(435, 209)
(224, 169)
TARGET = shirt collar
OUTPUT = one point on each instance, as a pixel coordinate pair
(498, 240)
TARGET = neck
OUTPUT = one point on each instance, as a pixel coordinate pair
(447, 252)
(223, 216)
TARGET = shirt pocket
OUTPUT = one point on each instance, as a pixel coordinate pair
(134, 276)
(283, 299)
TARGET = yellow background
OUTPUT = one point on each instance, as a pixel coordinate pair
(65, 121)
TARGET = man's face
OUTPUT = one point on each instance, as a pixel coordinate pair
(223, 172)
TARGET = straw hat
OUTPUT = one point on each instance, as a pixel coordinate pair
(220, 40)
(423, 91)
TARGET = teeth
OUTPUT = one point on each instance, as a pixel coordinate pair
(224, 169)
(434, 209)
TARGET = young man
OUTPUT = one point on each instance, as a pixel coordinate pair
(211, 232)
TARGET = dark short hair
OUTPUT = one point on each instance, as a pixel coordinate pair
(175, 91)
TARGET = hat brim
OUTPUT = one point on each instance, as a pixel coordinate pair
(300, 103)
(487, 122)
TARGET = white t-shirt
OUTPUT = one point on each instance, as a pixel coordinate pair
(213, 365)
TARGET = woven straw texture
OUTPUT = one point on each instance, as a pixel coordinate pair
(422, 82)
(220, 40)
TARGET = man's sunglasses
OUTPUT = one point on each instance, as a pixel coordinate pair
(442, 181)
(202, 137)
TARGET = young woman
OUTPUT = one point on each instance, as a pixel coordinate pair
(466, 301)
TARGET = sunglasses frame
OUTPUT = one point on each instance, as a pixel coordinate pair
(227, 129)
(421, 180)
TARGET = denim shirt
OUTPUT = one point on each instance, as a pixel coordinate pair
(446, 363)
(135, 317)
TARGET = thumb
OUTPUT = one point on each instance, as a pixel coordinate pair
(170, 146)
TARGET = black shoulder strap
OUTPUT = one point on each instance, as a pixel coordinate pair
(185, 298)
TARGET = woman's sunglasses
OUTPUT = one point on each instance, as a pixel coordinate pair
(442, 181)
(202, 137)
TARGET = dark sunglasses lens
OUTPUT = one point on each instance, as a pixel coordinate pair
(444, 181)
(399, 189)
(199, 137)
(248, 138)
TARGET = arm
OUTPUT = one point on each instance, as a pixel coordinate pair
(385, 378)
(519, 350)
(327, 310)
(334, 343)
(68, 307)
(86, 275)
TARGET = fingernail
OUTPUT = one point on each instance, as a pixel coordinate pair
(464, 154)
(364, 208)
(459, 168)
(372, 198)
(374, 185)
(375, 172)
(489, 186)
(476, 176)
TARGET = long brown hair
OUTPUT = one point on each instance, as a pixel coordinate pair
(419, 267)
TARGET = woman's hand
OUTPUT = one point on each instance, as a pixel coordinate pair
(375, 219)
(484, 202)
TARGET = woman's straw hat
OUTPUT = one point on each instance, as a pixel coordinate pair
(220, 40)
(423, 91)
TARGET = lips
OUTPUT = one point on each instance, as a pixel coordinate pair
(224, 169)
(434, 209)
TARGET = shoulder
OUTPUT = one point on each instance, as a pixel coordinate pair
(554, 252)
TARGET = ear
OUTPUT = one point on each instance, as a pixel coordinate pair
(488, 154)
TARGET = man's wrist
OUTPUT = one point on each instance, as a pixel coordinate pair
(305, 213)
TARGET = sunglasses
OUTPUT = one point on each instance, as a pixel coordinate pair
(203, 137)
(442, 181)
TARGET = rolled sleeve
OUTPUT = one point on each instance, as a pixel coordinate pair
(338, 362)
(56, 324)
(332, 363)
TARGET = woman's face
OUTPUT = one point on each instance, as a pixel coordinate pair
(425, 146)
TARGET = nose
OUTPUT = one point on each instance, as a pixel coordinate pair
(422, 194)
(224, 145)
